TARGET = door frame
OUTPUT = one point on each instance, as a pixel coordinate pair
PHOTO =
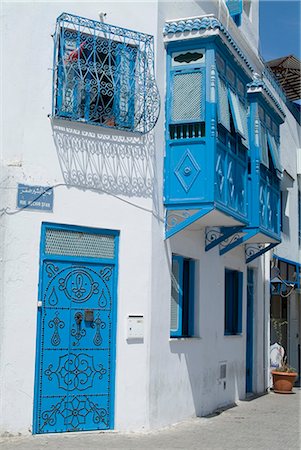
(42, 258)
(250, 330)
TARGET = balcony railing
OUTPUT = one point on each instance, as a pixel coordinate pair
(231, 181)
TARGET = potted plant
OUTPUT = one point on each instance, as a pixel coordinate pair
(284, 378)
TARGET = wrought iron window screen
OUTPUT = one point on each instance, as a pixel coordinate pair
(104, 75)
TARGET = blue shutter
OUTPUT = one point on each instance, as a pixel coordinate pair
(124, 89)
(274, 153)
(228, 301)
(176, 296)
(236, 113)
(244, 119)
(239, 302)
(264, 157)
(223, 114)
(235, 7)
(191, 297)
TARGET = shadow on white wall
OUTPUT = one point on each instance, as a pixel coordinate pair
(106, 161)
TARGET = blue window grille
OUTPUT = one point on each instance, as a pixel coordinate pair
(104, 75)
(233, 301)
(182, 297)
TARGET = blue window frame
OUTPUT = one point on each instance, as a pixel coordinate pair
(104, 75)
(232, 111)
(269, 142)
(186, 94)
(235, 9)
(233, 301)
(182, 297)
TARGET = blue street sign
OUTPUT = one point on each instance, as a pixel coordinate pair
(35, 197)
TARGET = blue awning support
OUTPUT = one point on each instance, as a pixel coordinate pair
(178, 220)
(253, 252)
(238, 239)
(215, 236)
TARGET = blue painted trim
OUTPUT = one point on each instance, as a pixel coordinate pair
(288, 261)
(44, 257)
(227, 232)
(261, 252)
(187, 222)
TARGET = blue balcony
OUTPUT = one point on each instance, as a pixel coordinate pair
(263, 231)
(206, 162)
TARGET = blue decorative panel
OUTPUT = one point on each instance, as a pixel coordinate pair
(104, 75)
(220, 174)
(187, 181)
(76, 367)
(269, 202)
(187, 170)
(230, 181)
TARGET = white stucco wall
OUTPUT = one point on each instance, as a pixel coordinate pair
(159, 380)
(30, 156)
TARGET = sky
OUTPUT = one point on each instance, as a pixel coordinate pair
(279, 28)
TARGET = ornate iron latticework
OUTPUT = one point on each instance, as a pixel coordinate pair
(104, 75)
(222, 236)
(252, 251)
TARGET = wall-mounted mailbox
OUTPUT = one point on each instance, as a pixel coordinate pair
(135, 327)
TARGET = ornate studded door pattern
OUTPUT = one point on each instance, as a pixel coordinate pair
(75, 355)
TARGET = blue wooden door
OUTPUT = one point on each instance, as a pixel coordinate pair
(75, 364)
(249, 349)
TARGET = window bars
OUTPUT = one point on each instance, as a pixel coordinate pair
(104, 75)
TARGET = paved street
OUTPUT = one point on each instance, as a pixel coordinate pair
(268, 422)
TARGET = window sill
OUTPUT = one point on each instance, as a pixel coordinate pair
(233, 335)
(184, 339)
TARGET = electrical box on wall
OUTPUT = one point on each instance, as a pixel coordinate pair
(135, 327)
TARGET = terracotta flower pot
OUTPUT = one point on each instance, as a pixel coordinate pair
(283, 382)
